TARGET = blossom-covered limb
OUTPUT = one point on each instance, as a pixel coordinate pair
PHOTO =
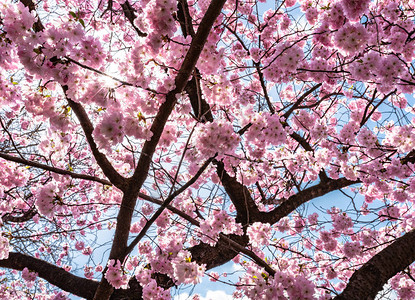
(57, 276)
(109, 171)
(129, 13)
(53, 169)
(86, 124)
(140, 174)
(369, 280)
(165, 204)
(247, 210)
(293, 202)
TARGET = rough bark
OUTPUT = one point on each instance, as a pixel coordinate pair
(54, 275)
(246, 209)
(218, 255)
(66, 281)
(366, 282)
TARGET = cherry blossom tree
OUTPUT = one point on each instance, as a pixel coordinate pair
(145, 143)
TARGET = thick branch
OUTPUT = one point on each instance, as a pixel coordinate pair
(293, 202)
(409, 158)
(219, 254)
(201, 108)
(53, 169)
(184, 18)
(366, 282)
(103, 162)
(129, 13)
(66, 281)
(57, 276)
(247, 211)
(140, 174)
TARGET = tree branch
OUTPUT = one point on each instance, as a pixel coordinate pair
(246, 209)
(26, 216)
(66, 281)
(293, 202)
(135, 183)
(53, 169)
(57, 276)
(221, 253)
(366, 282)
(165, 204)
(201, 108)
(259, 261)
(109, 171)
(129, 13)
(299, 100)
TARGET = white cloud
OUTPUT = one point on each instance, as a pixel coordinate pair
(213, 295)
(210, 295)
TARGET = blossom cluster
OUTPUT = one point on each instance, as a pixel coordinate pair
(352, 249)
(351, 38)
(115, 125)
(219, 221)
(187, 271)
(115, 275)
(216, 137)
(284, 63)
(404, 286)
(259, 234)
(266, 129)
(282, 285)
(48, 199)
(341, 221)
(401, 137)
(159, 14)
(4, 246)
(29, 276)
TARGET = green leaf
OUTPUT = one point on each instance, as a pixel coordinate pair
(82, 22)
(73, 14)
